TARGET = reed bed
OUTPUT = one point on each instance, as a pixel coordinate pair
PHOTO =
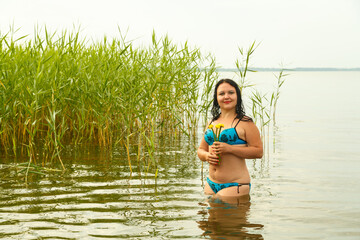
(60, 89)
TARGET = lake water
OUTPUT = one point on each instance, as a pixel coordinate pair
(306, 187)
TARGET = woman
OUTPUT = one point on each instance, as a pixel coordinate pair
(240, 139)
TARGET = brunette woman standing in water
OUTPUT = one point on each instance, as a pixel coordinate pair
(240, 139)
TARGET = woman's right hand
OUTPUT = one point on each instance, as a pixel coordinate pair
(212, 158)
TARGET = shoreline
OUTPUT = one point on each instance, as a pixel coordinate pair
(299, 69)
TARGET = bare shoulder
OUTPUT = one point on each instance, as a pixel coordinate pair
(250, 131)
(250, 126)
(246, 122)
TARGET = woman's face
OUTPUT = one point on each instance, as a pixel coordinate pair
(226, 96)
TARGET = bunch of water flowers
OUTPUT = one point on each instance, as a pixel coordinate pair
(216, 133)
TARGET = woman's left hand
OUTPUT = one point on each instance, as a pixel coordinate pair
(220, 148)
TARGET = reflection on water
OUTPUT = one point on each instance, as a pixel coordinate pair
(228, 219)
(103, 200)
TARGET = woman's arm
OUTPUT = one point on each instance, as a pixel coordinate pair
(205, 155)
(254, 148)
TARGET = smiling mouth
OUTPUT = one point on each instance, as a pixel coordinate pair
(226, 102)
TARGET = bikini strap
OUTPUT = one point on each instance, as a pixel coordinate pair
(241, 184)
(237, 123)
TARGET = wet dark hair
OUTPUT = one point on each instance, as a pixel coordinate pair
(240, 112)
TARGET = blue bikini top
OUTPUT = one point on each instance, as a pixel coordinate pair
(228, 136)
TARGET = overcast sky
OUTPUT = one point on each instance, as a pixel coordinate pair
(297, 33)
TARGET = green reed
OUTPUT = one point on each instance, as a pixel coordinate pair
(263, 107)
(60, 89)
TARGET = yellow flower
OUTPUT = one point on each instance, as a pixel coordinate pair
(221, 125)
(210, 126)
(217, 125)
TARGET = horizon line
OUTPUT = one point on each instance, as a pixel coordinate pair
(293, 69)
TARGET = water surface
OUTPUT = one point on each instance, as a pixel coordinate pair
(306, 186)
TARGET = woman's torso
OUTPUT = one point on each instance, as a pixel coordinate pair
(231, 168)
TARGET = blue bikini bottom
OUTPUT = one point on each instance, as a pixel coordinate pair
(218, 186)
